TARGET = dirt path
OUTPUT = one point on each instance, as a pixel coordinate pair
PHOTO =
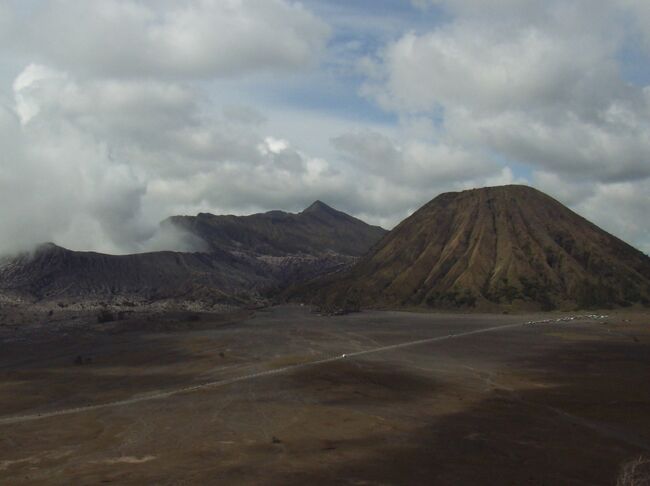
(221, 383)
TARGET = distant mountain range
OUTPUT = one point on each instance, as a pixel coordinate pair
(246, 257)
(498, 247)
(509, 247)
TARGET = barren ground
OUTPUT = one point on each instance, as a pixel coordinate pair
(176, 401)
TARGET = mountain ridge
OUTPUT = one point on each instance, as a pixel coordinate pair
(319, 229)
(247, 257)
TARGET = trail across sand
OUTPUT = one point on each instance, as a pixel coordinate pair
(220, 383)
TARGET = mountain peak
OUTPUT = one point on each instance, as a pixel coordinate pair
(508, 189)
(319, 206)
(48, 247)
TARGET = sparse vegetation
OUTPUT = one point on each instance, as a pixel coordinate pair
(503, 292)
(593, 295)
(454, 298)
(536, 291)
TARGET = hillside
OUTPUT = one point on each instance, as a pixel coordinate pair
(317, 230)
(246, 258)
(52, 272)
(509, 246)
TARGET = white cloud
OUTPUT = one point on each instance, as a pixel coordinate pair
(102, 161)
(273, 146)
(489, 69)
(244, 114)
(194, 38)
(96, 164)
(620, 208)
(413, 162)
(639, 18)
(128, 111)
(536, 83)
(609, 150)
(28, 81)
(6, 20)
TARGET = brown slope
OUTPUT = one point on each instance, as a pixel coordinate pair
(509, 246)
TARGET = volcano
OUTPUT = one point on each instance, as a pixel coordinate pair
(510, 246)
(244, 258)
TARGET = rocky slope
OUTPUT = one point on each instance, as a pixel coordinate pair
(318, 230)
(506, 247)
(52, 272)
(246, 258)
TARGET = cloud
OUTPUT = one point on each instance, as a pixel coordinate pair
(55, 178)
(413, 162)
(545, 100)
(615, 149)
(6, 21)
(536, 84)
(620, 208)
(194, 38)
(394, 176)
(244, 114)
(638, 18)
(611, 201)
(488, 69)
(96, 164)
(115, 114)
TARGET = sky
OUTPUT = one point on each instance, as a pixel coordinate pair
(115, 114)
